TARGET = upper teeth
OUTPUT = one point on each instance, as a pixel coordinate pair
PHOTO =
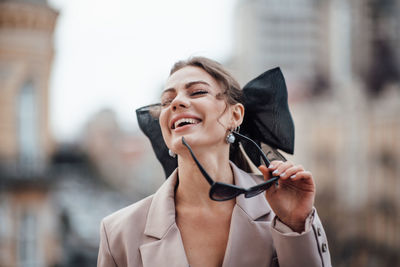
(187, 120)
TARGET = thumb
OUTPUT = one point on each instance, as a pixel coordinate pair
(266, 173)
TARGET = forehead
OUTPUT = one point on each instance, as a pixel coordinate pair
(190, 74)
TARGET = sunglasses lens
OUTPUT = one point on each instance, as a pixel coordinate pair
(221, 192)
(253, 193)
(259, 189)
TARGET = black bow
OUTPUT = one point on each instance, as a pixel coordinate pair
(267, 119)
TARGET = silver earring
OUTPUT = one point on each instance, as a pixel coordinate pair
(171, 153)
(230, 138)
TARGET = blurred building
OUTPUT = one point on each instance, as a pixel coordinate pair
(27, 231)
(341, 62)
(289, 34)
(80, 199)
(124, 160)
(53, 196)
(353, 151)
(26, 53)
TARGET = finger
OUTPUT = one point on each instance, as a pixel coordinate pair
(266, 172)
(305, 175)
(289, 172)
(282, 168)
(274, 165)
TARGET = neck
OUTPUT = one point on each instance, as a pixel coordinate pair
(193, 188)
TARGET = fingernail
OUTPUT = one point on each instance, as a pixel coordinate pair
(282, 174)
(270, 166)
(275, 172)
(293, 176)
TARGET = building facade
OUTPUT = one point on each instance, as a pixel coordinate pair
(341, 63)
(53, 196)
(26, 53)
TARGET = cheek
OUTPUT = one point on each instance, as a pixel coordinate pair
(163, 121)
(220, 115)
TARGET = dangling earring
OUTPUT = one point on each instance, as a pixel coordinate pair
(171, 153)
(230, 138)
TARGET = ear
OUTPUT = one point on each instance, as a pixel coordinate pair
(237, 112)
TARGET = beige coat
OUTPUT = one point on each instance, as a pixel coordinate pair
(146, 234)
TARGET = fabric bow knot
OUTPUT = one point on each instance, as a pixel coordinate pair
(267, 119)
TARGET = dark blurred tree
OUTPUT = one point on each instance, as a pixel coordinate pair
(384, 68)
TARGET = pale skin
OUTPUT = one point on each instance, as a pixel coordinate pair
(191, 93)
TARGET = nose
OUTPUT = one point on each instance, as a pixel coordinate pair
(179, 102)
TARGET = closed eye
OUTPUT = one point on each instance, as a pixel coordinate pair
(165, 103)
(200, 92)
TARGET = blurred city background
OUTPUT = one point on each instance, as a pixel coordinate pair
(72, 75)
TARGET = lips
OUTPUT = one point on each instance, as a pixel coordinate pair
(182, 121)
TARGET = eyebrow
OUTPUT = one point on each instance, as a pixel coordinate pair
(188, 85)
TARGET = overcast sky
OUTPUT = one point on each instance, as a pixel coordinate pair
(117, 54)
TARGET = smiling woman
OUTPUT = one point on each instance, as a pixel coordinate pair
(201, 110)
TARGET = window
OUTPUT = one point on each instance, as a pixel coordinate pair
(28, 122)
(27, 241)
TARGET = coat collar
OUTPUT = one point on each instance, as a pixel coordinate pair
(161, 214)
(166, 248)
(161, 224)
(250, 240)
(254, 207)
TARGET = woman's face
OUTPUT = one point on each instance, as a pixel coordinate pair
(191, 108)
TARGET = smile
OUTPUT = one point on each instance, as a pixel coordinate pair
(184, 121)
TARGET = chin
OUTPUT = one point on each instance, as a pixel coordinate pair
(195, 141)
(176, 144)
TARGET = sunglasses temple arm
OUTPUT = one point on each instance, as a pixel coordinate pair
(264, 157)
(205, 174)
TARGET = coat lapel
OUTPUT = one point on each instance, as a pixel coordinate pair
(165, 247)
(250, 240)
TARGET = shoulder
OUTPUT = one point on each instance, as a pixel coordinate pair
(137, 213)
(131, 221)
(125, 227)
(121, 234)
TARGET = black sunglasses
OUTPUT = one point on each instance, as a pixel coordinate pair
(222, 191)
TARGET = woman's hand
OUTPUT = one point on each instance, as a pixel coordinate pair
(292, 200)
